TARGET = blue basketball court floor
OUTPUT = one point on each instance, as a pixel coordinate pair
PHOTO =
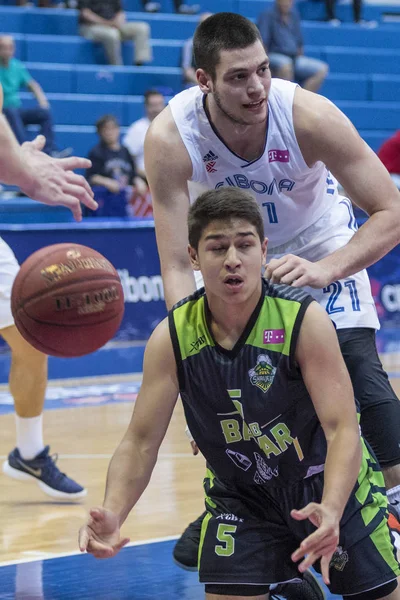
(140, 572)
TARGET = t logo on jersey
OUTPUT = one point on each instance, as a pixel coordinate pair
(274, 336)
(210, 159)
(278, 156)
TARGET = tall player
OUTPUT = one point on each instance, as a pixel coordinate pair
(287, 147)
(51, 181)
(275, 418)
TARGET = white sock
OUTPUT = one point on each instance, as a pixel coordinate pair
(29, 581)
(29, 436)
(393, 495)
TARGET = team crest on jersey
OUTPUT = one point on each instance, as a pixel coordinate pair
(339, 559)
(262, 375)
(210, 159)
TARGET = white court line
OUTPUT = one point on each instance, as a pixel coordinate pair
(51, 555)
(102, 456)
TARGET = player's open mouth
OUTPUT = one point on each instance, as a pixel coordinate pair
(255, 105)
(233, 282)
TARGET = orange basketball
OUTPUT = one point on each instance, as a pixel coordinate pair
(67, 300)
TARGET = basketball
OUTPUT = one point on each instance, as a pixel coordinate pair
(67, 300)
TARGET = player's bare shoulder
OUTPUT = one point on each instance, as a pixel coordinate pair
(319, 126)
(159, 353)
(163, 142)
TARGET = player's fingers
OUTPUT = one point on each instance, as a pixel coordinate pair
(304, 280)
(121, 544)
(73, 162)
(291, 277)
(273, 264)
(73, 204)
(81, 194)
(325, 563)
(304, 513)
(76, 179)
(83, 539)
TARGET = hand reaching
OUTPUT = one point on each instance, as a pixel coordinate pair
(100, 536)
(52, 180)
(297, 272)
(322, 543)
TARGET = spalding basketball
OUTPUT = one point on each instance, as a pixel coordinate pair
(67, 300)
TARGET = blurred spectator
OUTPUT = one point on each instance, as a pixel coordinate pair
(14, 76)
(154, 103)
(180, 7)
(188, 65)
(389, 153)
(105, 21)
(330, 11)
(41, 3)
(112, 174)
(281, 33)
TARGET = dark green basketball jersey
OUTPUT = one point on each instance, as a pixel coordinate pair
(248, 408)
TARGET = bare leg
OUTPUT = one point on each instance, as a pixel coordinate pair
(285, 72)
(312, 84)
(393, 596)
(28, 374)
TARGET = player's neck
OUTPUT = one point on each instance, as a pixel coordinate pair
(228, 321)
(247, 141)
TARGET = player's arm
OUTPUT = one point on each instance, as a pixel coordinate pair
(327, 380)
(134, 460)
(168, 168)
(328, 383)
(325, 134)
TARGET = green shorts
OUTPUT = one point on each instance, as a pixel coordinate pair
(248, 535)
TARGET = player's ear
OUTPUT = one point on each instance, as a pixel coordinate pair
(264, 252)
(194, 261)
(204, 81)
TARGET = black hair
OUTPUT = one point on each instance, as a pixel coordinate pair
(223, 204)
(104, 120)
(222, 31)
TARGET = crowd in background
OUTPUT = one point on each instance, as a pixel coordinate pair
(118, 174)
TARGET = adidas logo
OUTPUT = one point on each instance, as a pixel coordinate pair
(209, 156)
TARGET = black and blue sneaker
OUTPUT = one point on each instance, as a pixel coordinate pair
(44, 471)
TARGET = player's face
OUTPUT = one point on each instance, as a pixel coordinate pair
(154, 105)
(242, 84)
(230, 256)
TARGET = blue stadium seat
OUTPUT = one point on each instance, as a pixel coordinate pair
(362, 60)
(350, 34)
(85, 109)
(343, 86)
(385, 87)
(372, 115)
(127, 80)
(54, 77)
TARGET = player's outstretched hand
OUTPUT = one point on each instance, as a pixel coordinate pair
(100, 535)
(52, 180)
(297, 272)
(323, 542)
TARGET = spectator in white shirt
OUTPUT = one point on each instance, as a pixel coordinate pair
(154, 103)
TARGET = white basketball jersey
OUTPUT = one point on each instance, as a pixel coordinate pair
(303, 212)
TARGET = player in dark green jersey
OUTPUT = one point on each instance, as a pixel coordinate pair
(268, 399)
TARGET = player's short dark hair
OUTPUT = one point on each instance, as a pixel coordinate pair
(224, 204)
(149, 93)
(104, 120)
(222, 31)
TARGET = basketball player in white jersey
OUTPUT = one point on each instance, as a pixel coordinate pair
(288, 147)
(53, 182)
